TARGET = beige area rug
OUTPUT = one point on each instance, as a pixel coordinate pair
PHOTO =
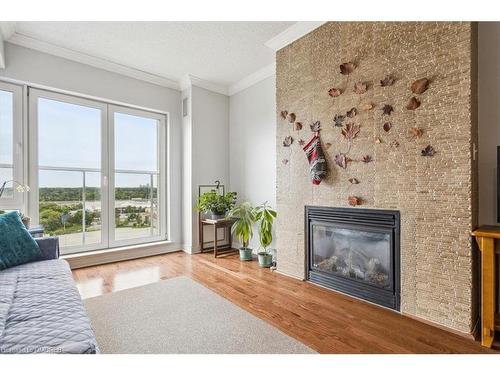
(181, 316)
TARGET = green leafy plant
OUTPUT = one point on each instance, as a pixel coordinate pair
(265, 215)
(243, 226)
(216, 203)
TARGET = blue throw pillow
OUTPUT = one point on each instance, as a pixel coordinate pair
(16, 244)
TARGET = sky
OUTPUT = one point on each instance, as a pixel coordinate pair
(70, 136)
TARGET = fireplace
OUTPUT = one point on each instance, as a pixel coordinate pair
(354, 251)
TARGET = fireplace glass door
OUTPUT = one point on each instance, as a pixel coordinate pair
(358, 254)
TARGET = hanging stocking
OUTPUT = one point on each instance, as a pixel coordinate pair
(316, 158)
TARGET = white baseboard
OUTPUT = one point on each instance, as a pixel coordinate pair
(93, 258)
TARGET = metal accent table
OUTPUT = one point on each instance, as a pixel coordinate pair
(222, 223)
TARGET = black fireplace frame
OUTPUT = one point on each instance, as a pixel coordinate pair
(387, 221)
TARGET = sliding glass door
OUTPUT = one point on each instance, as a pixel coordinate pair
(69, 151)
(99, 175)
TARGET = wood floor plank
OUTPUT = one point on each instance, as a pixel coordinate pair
(327, 321)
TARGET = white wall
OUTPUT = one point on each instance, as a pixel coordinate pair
(206, 152)
(2, 51)
(252, 140)
(489, 118)
(43, 69)
(187, 174)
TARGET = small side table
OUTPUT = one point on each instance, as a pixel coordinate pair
(216, 224)
(485, 238)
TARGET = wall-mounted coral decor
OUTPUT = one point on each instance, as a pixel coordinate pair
(353, 200)
(283, 114)
(287, 142)
(394, 144)
(420, 86)
(414, 103)
(315, 126)
(387, 81)
(334, 92)
(352, 112)
(341, 160)
(416, 132)
(428, 151)
(368, 107)
(367, 159)
(360, 87)
(350, 131)
(347, 68)
(338, 120)
(387, 109)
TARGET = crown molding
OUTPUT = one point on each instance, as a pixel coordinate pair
(190, 80)
(294, 32)
(97, 62)
(253, 79)
(288, 36)
(7, 29)
(207, 85)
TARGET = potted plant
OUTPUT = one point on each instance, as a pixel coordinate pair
(243, 227)
(265, 215)
(216, 205)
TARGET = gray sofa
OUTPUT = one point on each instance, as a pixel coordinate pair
(40, 308)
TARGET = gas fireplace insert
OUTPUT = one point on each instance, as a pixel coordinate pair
(355, 251)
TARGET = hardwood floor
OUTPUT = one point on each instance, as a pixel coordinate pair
(326, 321)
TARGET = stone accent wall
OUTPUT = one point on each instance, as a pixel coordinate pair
(433, 194)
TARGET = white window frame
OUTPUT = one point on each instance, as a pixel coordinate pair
(162, 173)
(17, 201)
(107, 167)
(34, 167)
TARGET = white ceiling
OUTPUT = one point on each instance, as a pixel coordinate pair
(219, 52)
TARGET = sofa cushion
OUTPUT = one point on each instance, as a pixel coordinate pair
(46, 313)
(16, 244)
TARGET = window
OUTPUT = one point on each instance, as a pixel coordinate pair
(11, 152)
(136, 173)
(99, 172)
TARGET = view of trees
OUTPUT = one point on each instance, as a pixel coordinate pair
(92, 194)
(61, 210)
(60, 219)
